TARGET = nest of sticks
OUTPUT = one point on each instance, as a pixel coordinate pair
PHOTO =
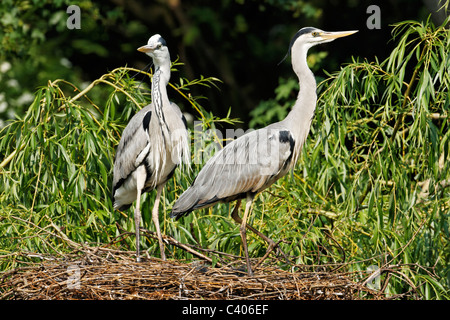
(115, 276)
(102, 273)
(155, 279)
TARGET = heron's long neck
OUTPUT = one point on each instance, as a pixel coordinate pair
(299, 119)
(160, 80)
(160, 99)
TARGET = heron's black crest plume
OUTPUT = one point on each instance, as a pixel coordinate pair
(162, 41)
(300, 32)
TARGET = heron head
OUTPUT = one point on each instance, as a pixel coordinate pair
(157, 49)
(308, 37)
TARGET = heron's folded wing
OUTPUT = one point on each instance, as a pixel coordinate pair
(133, 145)
(248, 164)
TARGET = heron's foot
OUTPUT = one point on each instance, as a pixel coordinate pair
(163, 255)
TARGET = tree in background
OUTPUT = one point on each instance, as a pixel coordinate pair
(239, 42)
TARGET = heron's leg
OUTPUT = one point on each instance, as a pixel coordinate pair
(235, 216)
(244, 232)
(137, 222)
(155, 217)
(140, 181)
(235, 213)
(272, 244)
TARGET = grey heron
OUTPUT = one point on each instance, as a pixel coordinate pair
(153, 143)
(254, 161)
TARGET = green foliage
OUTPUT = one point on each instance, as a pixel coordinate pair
(385, 139)
(36, 45)
(275, 109)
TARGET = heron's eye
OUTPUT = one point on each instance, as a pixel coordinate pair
(159, 46)
(315, 34)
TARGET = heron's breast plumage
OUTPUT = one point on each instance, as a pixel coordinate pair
(145, 142)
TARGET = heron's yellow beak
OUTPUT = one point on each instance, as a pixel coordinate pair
(146, 48)
(337, 34)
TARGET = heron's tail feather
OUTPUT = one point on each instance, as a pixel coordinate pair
(185, 203)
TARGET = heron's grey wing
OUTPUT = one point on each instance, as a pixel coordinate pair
(134, 145)
(249, 164)
(180, 144)
(180, 115)
(246, 165)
